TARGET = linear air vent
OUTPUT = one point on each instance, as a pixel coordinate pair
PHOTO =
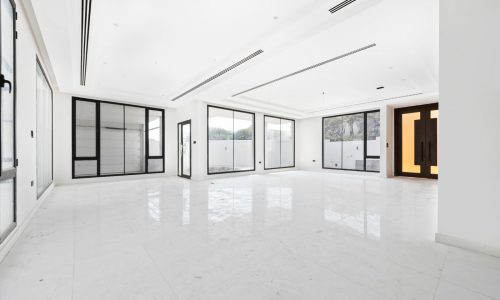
(219, 74)
(85, 31)
(340, 6)
(307, 69)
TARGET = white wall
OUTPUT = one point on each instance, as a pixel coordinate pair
(27, 201)
(62, 145)
(469, 201)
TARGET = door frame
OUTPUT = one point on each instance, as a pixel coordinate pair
(398, 154)
(180, 155)
(11, 174)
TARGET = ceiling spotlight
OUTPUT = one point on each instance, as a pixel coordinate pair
(380, 88)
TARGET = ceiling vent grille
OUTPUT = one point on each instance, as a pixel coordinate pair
(220, 73)
(85, 31)
(307, 69)
(341, 5)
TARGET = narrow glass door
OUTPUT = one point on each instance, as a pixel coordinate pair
(417, 141)
(8, 162)
(184, 149)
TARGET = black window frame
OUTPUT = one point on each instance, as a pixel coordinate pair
(39, 64)
(208, 140)
(97, 156)
(280, 118)
(12, 173)
(365, 141)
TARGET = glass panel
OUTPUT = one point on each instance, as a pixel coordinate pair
(353, 142)
(272, 129)
(435, 115)
(179, 149)
(373, 165)
(135, 139)
(186, 149)
(7, 109)
(332, 143)
(155, 133)
(408, 142)
(243, 141)
(85, 168)
(43, 132)
(85, 129)
(155, 165)
(112, 139)
(6, 205)
(220, 140)
(287, 143)
(372, 134)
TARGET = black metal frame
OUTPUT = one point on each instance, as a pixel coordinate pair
(39, 64)
(365, 156)
(280, 167)
(208, 140)
(97, 156)
(180, 157)
(11, 174)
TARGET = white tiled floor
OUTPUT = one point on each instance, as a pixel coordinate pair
(292, 235)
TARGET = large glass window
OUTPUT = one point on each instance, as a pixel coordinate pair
(44, 147)
(352, 142)
(231, 140)
(8, 164)
(116, 139)
(279, 143)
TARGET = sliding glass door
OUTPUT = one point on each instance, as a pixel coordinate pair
(44, 170)
(231, 140)
(8, 162)
(111, 139)
(279, 143)
(352, 142)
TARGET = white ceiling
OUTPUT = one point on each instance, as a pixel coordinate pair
(150, 51)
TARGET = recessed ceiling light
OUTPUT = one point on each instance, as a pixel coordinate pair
(380, 88)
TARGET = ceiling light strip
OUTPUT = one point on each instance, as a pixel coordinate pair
(307, 69)
(219, 74)
(340, 6)
(85, 33)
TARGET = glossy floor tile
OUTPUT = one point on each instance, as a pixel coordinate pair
(290, 235)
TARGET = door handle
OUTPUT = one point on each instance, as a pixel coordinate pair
(422, 151)
(430, 152)
(4, 81)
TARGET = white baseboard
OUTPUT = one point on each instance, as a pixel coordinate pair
(10, 241)
(467, 245)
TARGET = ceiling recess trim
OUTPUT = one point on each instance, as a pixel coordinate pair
(340, 6)
(85, 32)
(213, 77)
(307, 69)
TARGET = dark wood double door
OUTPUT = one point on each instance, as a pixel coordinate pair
(416, 132)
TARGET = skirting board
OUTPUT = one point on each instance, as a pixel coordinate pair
(467, 245)
(18, 231)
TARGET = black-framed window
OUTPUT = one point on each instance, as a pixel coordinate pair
(44, 131)
(113, 139)
(279, 143)
(8, 147)
(230, 140)
(352, 142)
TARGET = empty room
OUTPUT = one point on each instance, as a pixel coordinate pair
(249, 149)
